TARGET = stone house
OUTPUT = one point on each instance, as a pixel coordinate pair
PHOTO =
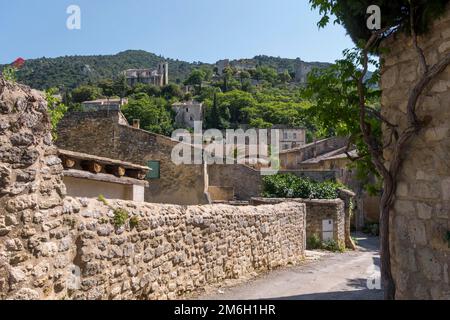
(158, 77)
(104, 104)
(291, 137)
(188, 112)
(293, 158)
(107, 133)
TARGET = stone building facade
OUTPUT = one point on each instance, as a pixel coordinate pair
(420, 218)
(104, 133)
(292, 159)
(291, 137)
(186, 113)
(157, 77)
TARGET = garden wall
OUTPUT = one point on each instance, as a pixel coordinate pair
(316, 212)
(172, 250)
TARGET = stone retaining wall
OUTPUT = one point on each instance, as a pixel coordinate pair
(316, 212)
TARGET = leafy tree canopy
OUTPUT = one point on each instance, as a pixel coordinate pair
(394, 14)
(154, 113)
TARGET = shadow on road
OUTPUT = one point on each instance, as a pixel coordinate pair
(364, 294)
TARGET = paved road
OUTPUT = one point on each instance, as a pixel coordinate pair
(331, 277)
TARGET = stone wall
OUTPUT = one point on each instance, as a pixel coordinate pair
(102, 133)
(56, 248)
(173, 250)
(421, 214)
(316, 212)
(31, 191)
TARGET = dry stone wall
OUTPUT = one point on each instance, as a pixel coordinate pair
(165, 251)
(420, 223)
(318, 210)
(52, 247)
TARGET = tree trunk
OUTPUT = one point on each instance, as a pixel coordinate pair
(385, 250)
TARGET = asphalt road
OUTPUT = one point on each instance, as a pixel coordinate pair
(325, 276)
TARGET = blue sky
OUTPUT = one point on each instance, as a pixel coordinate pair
(191, 30)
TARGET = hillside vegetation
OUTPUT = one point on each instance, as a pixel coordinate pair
(71, 71)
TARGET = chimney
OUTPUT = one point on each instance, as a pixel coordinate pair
(136, 123)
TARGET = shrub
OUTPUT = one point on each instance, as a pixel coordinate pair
(332, 245)
(120, 217)
(291, 186)
(372, 229)
(134, 221)
(313, 242)
(9, 74)
(102, 199)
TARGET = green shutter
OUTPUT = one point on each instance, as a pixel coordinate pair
(154, 169)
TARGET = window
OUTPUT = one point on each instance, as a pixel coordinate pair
(191, 118)
(154, 172)
(187, 109)
(295, 136)
(285, 135)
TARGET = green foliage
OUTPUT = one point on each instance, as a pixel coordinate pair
(313, 242)
(332, 245)
(395, 14)
(291, 186)
(9, 73)
(196, 78)
(73, 71)
(56, 110)
(171, 91)
(134, 221)
(102, 199)
(86, 93)
(372, 229)
(120, 217)
(120, 86)
(70, 72)
(334, 109)
(261, 109)
(154, 113)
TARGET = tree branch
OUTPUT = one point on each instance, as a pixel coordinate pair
(379, 116)
(422, 59)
